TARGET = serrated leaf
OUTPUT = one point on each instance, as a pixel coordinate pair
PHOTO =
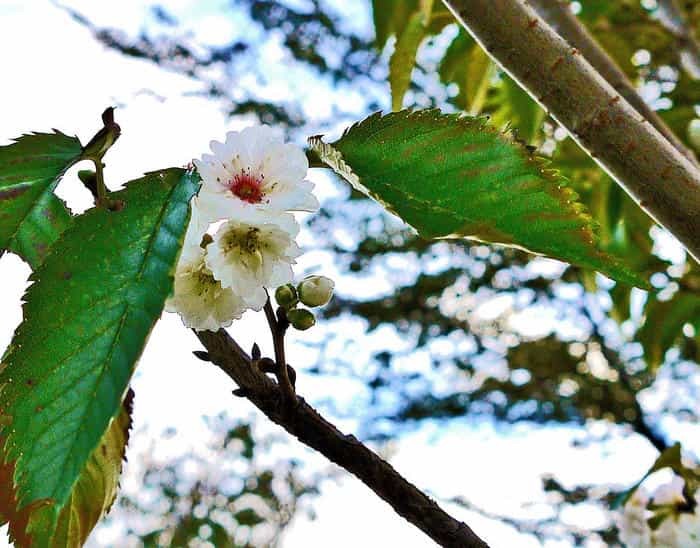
(31, 216)
(452, 176)
(664, 324)
(404, 57)
(91, 496)
(86, 319)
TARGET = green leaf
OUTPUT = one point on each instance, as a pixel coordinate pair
(404, 57)
(664, 323)
(91, 496)
(391, 17)
(455, 176)
(466, 64)
(86, 319)
(248, 517)
(31, 216)
(518, 110)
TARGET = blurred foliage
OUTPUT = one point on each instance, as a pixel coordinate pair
(463, 331)
(222, 494)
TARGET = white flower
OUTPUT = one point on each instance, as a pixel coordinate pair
(247, 256)
(666, 534)
(254, 170)
(199, 298)
(688, 535)
(634, 529)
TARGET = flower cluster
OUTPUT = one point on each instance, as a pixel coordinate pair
(251, 185)
(663, 519)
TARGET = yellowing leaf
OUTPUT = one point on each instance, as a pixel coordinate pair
(90, 499)
(404, 57)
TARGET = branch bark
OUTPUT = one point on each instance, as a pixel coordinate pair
(558, 14)
(303, 421)
(662, 181)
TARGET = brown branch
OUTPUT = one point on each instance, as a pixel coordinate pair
(558, 14)
(304, 422)
(662, 181)
(672, 17)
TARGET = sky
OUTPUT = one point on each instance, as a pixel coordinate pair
(55, 74)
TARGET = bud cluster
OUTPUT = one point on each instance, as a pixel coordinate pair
(312, 291)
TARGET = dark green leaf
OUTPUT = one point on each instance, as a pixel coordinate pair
(452, 176)
(248, 517)
(664, 324)
(31, 216)
(86, 319)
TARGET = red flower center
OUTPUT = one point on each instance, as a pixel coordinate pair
(247, 187)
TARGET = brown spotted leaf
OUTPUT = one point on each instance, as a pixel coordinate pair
(91, 497)
(31, 216)
(87, 316)
(453, 176)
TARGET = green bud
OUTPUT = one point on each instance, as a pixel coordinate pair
(694, 133)
(286, 296)
(301, 319)
(315, 290)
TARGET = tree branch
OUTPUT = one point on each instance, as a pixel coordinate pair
(563, 20)
(672, 17)
(660, 179)
(303, 422)
(639, 422)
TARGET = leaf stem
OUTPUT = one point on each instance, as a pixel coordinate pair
(101, 199)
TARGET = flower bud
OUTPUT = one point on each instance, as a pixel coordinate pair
(694, 133)
(315, 290)
(301, 319)
(206, 240)
(286, 296)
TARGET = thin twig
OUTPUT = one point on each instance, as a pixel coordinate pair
(278, 330)
(101, 199)
(304, 422)
(639, 423)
